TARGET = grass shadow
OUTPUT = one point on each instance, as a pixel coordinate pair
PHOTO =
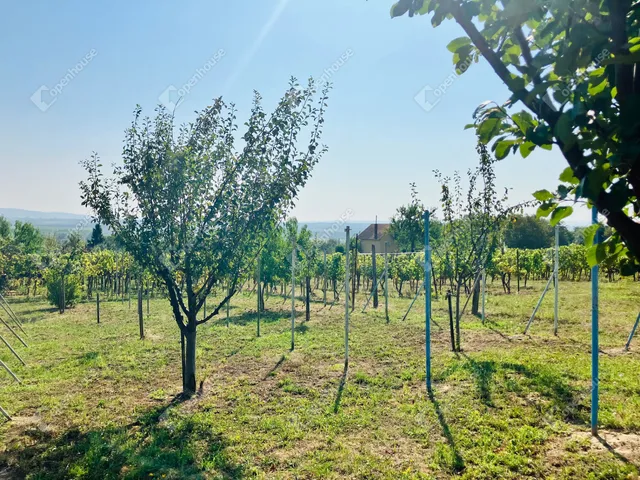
(160, 443)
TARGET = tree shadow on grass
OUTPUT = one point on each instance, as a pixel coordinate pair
(160, 443)
(41, 311)
(457, 460)
(482, 372)
(563, 399)
(251, 317)
(301, 328)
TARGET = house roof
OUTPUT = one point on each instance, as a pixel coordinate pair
(368, 233)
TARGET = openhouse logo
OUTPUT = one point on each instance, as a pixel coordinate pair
(173, 96)
(429, 97)
(44, 97)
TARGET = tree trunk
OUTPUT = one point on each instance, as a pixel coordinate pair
(458, 314)
(189, 375)
(476, 299)
(453, 335)
(375, 276)
(140, 316)
(307, 299)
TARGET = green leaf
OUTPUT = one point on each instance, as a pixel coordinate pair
(564, 129)
(567, 176)
(539, 135)
(596, 89)
(620, 195)
(543, 195)
(545, 209)
(456, 43)
(523, 120)
(559, 214)
(489, 129)
(526, 148)
(589, 234)
(596, 254)
(400, 8)
(593, 183)
(503, 147)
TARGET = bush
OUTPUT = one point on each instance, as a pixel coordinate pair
(71, 290)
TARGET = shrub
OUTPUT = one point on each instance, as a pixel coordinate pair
(71, 290)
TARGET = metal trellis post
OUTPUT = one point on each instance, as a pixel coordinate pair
(556, 266)
(346, 298)
(386, 281)
(633, 332)
(293, 296)
(594, 335)
(427, 303)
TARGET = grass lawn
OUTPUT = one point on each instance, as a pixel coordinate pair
(97, 402)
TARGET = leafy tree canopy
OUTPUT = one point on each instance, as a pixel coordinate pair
(191, 206)
(575, 67)
(97, 237)
(27, 238)
(5, 228)
(407, 225)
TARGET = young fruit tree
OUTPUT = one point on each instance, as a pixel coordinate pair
(196, 211)
(472, 231)
(575, 67)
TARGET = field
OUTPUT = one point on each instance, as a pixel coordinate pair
(97, 402)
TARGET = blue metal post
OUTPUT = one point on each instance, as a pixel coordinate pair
(594, 335)
(346, 296)
(427, 294)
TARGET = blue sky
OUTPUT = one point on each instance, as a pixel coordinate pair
(379, 137)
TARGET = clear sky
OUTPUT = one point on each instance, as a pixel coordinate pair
(122, 53)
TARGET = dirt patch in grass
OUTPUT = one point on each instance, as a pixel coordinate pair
(622, 446)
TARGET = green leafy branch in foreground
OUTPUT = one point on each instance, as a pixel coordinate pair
(575, 66)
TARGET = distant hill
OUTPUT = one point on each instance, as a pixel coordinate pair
(20, 214)
(60, 223)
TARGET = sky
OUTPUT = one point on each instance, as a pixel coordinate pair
(75, 70)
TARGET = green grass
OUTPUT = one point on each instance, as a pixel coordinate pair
(97, 402)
